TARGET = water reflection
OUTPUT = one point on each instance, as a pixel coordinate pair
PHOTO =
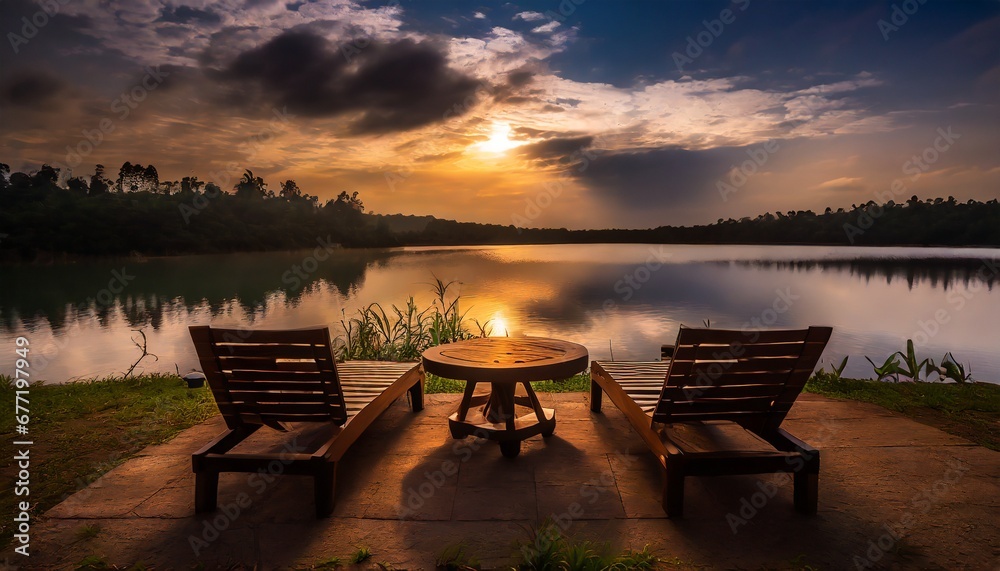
(942, 272)
(620, 299)
(142, 291)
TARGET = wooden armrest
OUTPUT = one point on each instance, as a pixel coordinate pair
(666, 352)
(785, 442)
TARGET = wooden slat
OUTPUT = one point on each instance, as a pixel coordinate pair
(730, 391)
(738, 405)
(286, 351)
(697, 336)
(745, 351)
(768, 364)
(291, 376)
(316, 336)
(272, 396)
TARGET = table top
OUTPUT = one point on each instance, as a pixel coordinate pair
(506, 359)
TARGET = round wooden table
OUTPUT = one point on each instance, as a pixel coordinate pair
(504, 362)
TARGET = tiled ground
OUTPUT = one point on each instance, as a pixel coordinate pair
(407, 490)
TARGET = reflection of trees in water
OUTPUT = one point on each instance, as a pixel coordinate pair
(939, 272)
(59, 294)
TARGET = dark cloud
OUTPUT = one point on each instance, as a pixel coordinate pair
(520, 78)
(661, 177)
(189, 15)
(438, 157)
(390, 86)
(31, 89)
(556, 148)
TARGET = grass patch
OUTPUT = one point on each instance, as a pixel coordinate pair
(456, 558)
(970, 410)
(362, 554)
(84, 429)
(547, 549)
(574, 384)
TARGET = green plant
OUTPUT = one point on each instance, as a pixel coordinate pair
(455, 558)
(888, 369)
(402, 334)
(541, 551)
(88, 531)
(837, 370)
(913, 367)
(362, 554)
(328, 563)
(642, 559)
(586, 556)
(952, 369)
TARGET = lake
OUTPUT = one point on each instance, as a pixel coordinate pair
(620, 299)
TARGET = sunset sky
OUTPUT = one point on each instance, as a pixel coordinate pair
(579, 113)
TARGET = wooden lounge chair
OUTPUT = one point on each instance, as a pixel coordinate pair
(275, 377)
(716, 407)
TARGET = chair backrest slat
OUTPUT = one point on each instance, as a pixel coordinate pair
(265, 377)
(750, 377)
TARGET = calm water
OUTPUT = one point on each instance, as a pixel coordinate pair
(628, 299)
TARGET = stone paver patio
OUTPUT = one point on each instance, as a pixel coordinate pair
(408, 491)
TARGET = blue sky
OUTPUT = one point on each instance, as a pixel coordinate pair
(540, 113)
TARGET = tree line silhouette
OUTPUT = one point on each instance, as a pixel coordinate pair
(42, 218)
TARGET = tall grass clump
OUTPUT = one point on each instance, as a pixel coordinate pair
(403, 333)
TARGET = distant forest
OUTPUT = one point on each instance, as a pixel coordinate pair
(138, 214)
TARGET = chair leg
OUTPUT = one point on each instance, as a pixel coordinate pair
(806, 493)
(325, 482)
(206, 491)
(596, 394)
(673, 491)
(417, 395)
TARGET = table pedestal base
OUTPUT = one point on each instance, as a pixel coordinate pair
(498, 420)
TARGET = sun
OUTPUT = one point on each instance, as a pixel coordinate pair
(499, 141)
